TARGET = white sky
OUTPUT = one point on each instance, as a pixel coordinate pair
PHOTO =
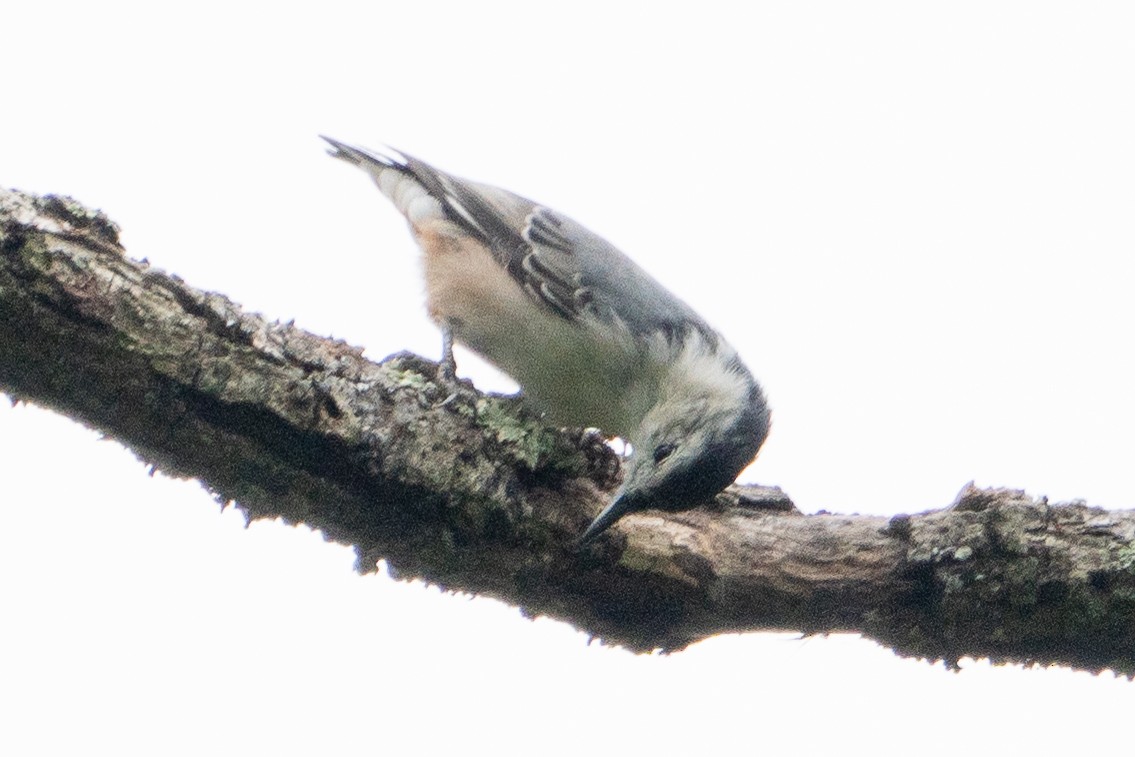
(913, 220)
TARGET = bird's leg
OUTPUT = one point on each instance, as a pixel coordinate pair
(447, 368)
(448, 363)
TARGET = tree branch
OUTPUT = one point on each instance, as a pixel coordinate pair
(470, 491)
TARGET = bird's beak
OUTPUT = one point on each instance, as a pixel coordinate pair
(622, 504)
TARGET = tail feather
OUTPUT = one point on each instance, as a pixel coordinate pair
(396, 178)
(407, 181)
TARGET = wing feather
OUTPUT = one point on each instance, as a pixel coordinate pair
(566, 268)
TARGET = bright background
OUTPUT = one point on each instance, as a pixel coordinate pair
(914, 220)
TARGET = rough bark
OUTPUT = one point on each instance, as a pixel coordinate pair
(471, 492)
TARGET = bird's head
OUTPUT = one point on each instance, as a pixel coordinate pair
(709, 422)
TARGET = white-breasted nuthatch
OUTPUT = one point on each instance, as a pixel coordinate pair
(590, 337)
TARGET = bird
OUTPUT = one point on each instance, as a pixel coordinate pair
(590, 337)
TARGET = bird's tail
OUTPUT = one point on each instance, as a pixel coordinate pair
(398, 176)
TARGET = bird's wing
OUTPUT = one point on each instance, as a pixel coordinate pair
(568, 269)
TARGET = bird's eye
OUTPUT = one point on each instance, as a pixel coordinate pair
(662, 451)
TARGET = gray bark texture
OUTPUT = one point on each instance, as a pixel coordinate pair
(472, 492)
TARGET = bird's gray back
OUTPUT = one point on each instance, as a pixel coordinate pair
(566, 267)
